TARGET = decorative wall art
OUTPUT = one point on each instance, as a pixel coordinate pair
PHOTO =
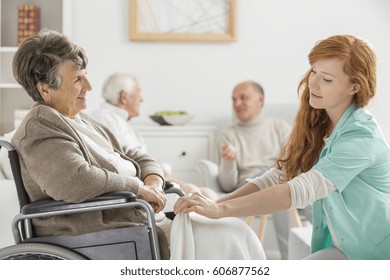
(183, 20)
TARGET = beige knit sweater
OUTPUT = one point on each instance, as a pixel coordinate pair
(56, 163)
(258, 143)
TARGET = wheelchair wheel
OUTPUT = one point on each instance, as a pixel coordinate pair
(38, 251)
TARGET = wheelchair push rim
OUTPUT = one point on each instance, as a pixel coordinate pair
(38, 251)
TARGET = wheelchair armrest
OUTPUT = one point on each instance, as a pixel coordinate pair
(49, 205)
(171, 188)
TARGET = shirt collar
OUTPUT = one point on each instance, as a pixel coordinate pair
(253, 122)
(115, 109)
(343, 120)
(345, 116)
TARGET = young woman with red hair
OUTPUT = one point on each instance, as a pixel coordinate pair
(336, 159)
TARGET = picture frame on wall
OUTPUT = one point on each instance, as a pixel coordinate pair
(182, 20)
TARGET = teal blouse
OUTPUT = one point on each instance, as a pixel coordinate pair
(356, 159)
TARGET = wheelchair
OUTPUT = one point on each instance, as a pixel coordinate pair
(128, 243)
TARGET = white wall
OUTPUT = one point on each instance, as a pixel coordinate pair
(274, 38)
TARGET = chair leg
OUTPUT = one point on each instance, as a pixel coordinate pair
(249, 220)
(262, 225)
(296, 220)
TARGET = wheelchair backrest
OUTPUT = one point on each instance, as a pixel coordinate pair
(15, 167)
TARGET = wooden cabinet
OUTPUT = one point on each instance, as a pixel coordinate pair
(54, 14)
(180, 146)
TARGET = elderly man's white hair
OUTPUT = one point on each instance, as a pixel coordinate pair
(116, 83)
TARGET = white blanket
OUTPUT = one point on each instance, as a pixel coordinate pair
(194, 237)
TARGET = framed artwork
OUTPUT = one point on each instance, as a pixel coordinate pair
(183, 20)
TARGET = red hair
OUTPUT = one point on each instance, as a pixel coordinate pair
(302, 149)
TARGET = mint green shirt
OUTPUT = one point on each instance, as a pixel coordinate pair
(356, 159)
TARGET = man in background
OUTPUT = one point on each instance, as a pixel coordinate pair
(122, 94)
(251, 146)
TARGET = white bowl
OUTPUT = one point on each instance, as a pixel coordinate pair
(158, 119)
(178, 119)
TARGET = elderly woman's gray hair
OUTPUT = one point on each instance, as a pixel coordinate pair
(38, 59)
(116, 83)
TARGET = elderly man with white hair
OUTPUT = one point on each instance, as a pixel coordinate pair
(122, 94)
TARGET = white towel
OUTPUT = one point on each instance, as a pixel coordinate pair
(194, 237)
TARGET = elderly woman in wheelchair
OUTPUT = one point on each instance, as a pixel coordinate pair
(64, 154)
(76, 176)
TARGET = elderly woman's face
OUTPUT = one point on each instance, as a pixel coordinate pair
(71, 97)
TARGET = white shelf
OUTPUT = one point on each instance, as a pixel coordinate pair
(8, 49)
(180, 146)
(188, 128)
(54, 14)
(10, 85)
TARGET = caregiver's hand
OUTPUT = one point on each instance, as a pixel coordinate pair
(200, 204)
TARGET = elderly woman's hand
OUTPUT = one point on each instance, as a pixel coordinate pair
(200, 204)
(155, 196)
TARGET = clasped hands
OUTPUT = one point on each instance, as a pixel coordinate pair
(198, 203)
(193, 202)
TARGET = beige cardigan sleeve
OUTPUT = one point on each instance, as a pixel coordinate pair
(56, 163)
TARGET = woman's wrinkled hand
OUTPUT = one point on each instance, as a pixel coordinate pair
(198, 203)
(154, 196)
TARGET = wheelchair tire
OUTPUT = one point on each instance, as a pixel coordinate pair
(38, 251)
